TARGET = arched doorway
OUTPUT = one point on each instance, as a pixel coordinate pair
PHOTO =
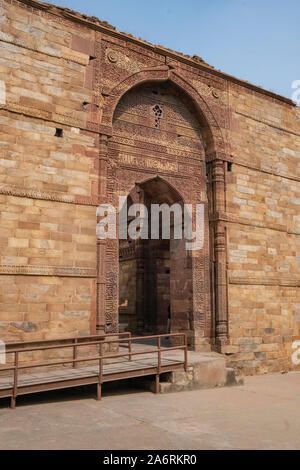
(158, 148)
(155, 276)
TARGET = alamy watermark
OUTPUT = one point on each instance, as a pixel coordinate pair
(296, 353)
(2, 352)
(296, 93)
(175, 221)
(2, 92)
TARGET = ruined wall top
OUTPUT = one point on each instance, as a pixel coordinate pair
(97, 24)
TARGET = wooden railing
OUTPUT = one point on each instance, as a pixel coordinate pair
(17, 349)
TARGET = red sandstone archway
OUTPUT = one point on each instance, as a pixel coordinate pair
(215, 153)
(155, 277)
(211, 128)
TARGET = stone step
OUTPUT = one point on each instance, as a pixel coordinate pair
(208, 371)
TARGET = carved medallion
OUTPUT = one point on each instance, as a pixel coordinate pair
(112, 56)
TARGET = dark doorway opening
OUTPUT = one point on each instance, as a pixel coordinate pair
(155, 282)
(144, 286)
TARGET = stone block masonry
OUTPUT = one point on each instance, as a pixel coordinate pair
(88, 114)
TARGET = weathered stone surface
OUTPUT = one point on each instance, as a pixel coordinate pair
(84, 116)
(25, 326)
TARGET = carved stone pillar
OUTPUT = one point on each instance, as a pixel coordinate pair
(101, 244)
(140, 285)
(220, 286)
(140, 274)
(218, 181)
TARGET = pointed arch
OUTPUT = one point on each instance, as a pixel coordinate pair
(205, 315)
(163, 190)
(210, 127)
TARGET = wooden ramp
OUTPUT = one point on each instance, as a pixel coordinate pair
(133, 359)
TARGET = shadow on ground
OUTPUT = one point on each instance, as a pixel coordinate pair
(121, 387)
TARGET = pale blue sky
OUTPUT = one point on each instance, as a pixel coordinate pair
(255, 40)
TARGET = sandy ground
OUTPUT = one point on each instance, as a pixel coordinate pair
(262, 414)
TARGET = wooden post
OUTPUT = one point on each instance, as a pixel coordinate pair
(15, 389)
(75, 352)
(100, 379)
(157, 383)
(130, 347)
(159, 355)
(158, 365)
(185, 353)
(98, 391)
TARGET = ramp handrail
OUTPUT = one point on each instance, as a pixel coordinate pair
(101, 356)
(66, 338)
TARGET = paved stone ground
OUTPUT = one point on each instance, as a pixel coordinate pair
(262, 414)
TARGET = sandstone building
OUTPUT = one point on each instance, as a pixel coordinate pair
(87, 114)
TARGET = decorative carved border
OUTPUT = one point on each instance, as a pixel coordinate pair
(127, 253)
(231, 218)
(45, 115)
(163, 73)
(47, 271)
(267, 122)
(48, 196)
(263, 281)
(261, 170)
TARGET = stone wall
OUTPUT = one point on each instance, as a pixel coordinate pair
(64, 150)
(48, 180)
(43, 307)
(263, 199)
